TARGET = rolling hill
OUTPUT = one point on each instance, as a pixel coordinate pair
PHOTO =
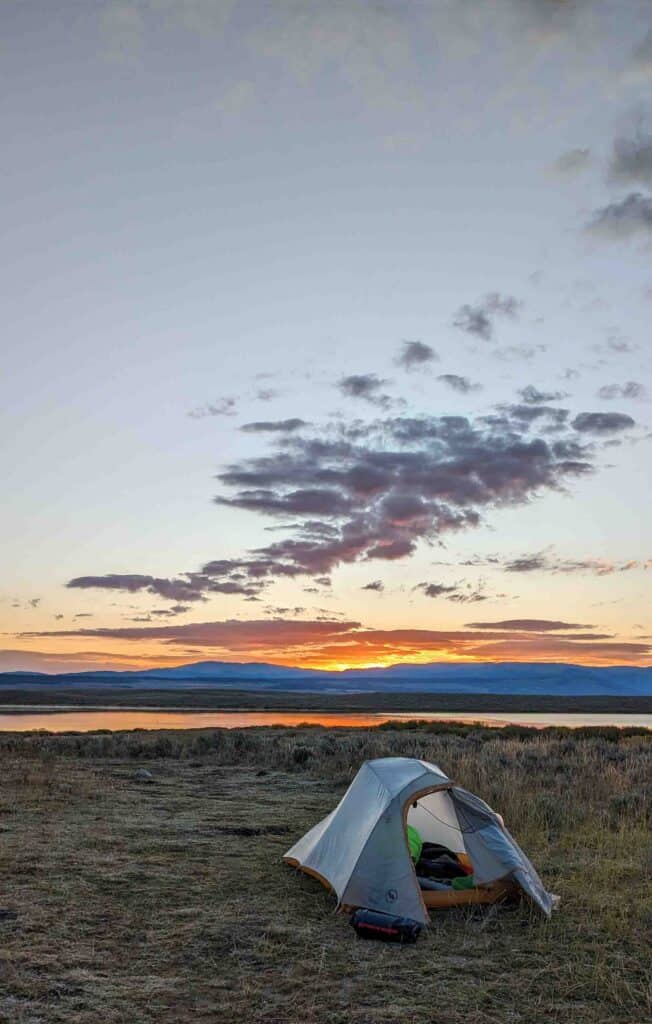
(486, 678)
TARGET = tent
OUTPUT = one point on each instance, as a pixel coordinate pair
(360, 850)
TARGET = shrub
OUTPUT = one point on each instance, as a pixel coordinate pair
(301, 755)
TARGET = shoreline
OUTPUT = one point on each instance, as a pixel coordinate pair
(16, 701)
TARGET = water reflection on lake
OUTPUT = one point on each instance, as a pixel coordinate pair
(77, 720)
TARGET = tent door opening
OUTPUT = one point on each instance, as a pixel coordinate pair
(434, 817)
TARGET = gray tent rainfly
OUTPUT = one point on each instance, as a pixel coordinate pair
(360, 849)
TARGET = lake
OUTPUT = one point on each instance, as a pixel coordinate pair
(22, 719)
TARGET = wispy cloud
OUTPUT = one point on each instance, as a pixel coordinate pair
(552, 418)
(365, 386)
(631, 389)
(512, 353)
(623, 219)
(274, 426)
(532, 396)
(436, 589)
(631, 161)
(377, 585)
(530, 625)
(548, 561)
(415, 354)
(478, 319)
(571, 162)
(460, 384)
(221, 407)
(460, 593)
(620, 344)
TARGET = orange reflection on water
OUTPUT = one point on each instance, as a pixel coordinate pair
(116, 719)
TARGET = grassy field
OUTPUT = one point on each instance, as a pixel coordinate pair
(125, 901)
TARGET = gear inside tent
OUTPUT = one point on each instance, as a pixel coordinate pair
(360, 851)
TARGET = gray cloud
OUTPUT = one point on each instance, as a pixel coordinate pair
(556, 418)
(631, 389)
(415, 353)
(436, 589)
(478, 319)
(620, 344)
(526, 563)
(305, 501)
(530, 625)
(624, 218)
(571, 162)
(460, 593)
(509, 353)
(222, 407)
(547, 561)
(474, 320)
(366, 386)
(189, 587)
(532, 396)
(274, 426)
(602, 422)
(396, 482)
(461, 384)
(373, 491)
(373, 498)
(176, 609)
(376, 585)
(632, 160)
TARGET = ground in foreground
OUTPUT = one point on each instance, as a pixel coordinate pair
(162, 900)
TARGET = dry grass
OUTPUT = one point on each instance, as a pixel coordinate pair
(127, 902)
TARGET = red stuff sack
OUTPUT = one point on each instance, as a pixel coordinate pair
(371, 924)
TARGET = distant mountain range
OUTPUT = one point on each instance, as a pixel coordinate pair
(486, 678)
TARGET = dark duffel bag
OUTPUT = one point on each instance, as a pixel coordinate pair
(371, 924)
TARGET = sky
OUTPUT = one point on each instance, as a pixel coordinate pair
(327, 332)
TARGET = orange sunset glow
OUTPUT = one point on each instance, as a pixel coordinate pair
(332, 647)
